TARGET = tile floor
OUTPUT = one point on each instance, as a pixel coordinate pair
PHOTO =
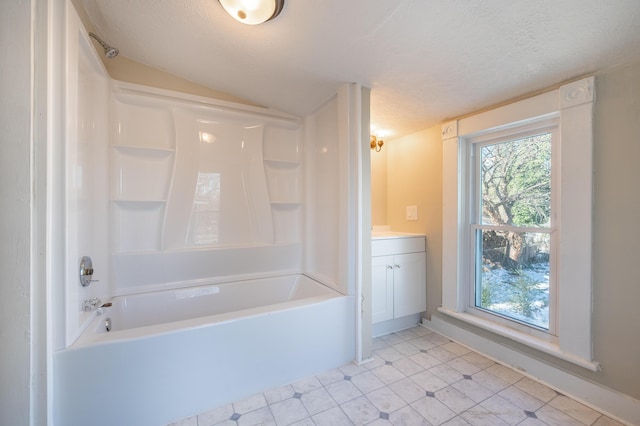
(417, 377)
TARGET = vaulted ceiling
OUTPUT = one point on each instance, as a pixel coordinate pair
(425, 60)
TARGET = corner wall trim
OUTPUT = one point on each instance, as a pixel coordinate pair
(450, 130)
(614, 404)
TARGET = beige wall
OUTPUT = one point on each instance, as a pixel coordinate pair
(414, 178)
(126, 69)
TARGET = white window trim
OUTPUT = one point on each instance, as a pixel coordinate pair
(547, 124)
(573, 104)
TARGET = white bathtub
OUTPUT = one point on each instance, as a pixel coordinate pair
(172, 354)
(164, 311)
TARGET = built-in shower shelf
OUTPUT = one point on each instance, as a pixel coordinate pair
(282, 164)
(284, 180)
(144, 151)
(285, 204)
(140, 203)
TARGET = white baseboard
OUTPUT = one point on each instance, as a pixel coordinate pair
(614, 404)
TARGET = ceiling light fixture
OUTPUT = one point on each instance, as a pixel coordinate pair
(253, 12)
(376, 143)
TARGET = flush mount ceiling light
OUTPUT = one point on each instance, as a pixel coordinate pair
(253, 12)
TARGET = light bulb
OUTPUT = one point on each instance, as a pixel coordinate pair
(250, 12)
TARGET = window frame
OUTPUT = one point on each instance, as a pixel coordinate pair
(572, 106)
(473, 223)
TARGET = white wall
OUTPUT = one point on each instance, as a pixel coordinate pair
(15, 201)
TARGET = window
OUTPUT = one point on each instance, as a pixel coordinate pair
(517, 208)
(511, 228)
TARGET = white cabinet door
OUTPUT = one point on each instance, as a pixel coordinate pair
(381, 288)
(410, 284)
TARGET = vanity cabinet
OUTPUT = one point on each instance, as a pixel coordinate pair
(398, 277)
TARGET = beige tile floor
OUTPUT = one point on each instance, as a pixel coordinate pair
(417, 377)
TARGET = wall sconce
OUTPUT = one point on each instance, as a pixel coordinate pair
(252, 12)
(376, 143)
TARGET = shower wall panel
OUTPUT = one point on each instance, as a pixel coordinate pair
(198, 179)
(86, 177)
(219, 196)
(143, 152)
(335, 137)
(323, 198)
(283, 170)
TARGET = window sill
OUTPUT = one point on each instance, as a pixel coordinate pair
(523, 338)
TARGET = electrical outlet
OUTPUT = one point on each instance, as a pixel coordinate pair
(412, 212)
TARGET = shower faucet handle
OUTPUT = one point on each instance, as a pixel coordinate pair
(86, 271)
(91, 304)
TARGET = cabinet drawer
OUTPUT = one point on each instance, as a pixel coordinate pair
(387, 246)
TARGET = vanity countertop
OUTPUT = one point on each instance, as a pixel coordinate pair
(391, 234)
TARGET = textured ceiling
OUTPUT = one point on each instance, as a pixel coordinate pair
(425, 60)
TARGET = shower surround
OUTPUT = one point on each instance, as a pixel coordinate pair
(201, 190)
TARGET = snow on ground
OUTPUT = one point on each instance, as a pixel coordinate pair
(522, 295)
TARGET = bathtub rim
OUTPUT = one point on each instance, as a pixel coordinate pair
(198, 282)
(88, 319)
(93, 335)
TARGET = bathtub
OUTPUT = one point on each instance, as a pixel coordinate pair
(175, 353)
